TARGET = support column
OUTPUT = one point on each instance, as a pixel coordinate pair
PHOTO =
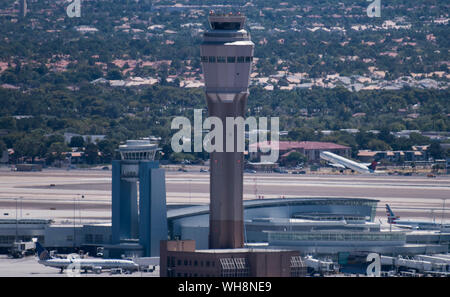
(226, 220)
(152, 207)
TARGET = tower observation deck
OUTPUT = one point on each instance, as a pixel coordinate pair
(134, 151)
(226, 56)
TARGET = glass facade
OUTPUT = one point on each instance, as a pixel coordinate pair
(139, 155)
(223, 59)
(337, 236)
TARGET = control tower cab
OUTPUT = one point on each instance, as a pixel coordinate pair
(134, 151)
(226, 54)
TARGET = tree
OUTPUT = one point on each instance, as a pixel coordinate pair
(91, 153)
(56, 151)
(378, 145)
(30, 146)
(114, 75)
(180, 157)
(107, 149)
(435, 150)
(76, 141)
(293, 159)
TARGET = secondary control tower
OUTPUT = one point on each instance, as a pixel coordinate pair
(226, 56)
(139, 218)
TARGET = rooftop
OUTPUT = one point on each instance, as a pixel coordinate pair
(239, 250)
(188, 211)
(306, 145)
(232, 22)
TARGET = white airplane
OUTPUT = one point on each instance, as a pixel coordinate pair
(341, 162)
(414, 225)
(95, 265)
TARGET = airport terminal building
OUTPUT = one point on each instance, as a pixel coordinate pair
(323, 226)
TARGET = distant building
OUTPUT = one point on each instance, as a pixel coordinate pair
(404, 133)
(311, 149)
(418, 153)
(4, 156)
(87, 138)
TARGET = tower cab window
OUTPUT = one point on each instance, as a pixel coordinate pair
(241, 59)
(212, 59)
(231, 59)
(221, 60)
(226, 25)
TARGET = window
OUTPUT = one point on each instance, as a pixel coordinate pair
(212, 59)
(98, 238)
(204, 59)
(185, 262)
(240, 59)
(89, 238)
(248, 59)
(207, 263)
(179, 262)
(231, 59)
(226, 25)
(221, 60)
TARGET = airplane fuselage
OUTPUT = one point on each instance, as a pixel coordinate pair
(333, 158)
(90, 264)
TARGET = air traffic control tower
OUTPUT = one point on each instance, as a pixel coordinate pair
(226, 56)
(139, 214)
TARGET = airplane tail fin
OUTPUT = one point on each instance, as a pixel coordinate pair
(373, 165)
(42, 252)
(390, 215)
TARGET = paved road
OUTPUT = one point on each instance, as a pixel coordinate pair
(54, 193)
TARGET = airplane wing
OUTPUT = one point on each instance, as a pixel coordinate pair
(410, 227)
(337, 165)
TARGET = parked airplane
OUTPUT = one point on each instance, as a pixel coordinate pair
(95, 265)
(417, 225)
(341, 162)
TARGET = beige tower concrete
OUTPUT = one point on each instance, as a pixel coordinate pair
(226, 55)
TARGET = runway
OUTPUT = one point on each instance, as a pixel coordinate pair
(86, 194)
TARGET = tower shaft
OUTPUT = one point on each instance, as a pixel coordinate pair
(226, 220)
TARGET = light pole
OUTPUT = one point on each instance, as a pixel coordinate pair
(17, 231)
(21, 206)
(74, 211)
(79, 206)
(190, 180)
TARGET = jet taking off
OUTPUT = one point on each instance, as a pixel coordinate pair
(341, 162)
(95, 265)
